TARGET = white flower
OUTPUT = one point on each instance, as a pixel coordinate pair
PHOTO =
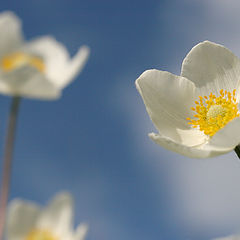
(232, 237)
(40, 68)
(28, 221)
(197, 113)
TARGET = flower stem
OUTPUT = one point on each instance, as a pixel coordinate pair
(7, 162)
(237, 150)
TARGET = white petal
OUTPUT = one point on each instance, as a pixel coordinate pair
(57, 216)
(54, 54)
(200, 151)
(211, 67)
(60, 69)
(21, 218)
(75, 65)
(168, 99)
(81, 232)
(232, 237)
(228, 136)
(28, 82)
(192, 137)
(11, 35)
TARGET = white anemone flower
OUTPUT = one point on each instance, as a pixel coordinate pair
(232, 237)
(40, 68)
(28, 221)
(197, 113)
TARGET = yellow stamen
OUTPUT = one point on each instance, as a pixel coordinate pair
(18, 59)
(40, 235)
(215, 112)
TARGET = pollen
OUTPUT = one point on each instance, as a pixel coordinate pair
(40, 235)
(213, 113)
(18, 59)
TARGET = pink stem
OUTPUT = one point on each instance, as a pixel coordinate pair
(7, 163)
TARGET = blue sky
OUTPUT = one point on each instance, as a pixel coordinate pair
(93, 141)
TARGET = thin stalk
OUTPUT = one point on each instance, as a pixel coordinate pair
(237, 150)
(7, 161)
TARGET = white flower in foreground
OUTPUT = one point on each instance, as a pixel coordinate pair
(197, 113)
(40, 68)
(28, 221)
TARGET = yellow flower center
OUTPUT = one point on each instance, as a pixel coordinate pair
(40, 235)
(213, 113)
(18, 59)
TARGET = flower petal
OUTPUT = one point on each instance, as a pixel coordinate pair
(81, 232)
(232, 237)
(200, 151)
(75, 65)
(211, 67)
(11, 35)
(60, 69)
(228, 136)
(28, 82)
(22, 217)
(192, 137)
(54, 54)
(168, 99)
(58, 215)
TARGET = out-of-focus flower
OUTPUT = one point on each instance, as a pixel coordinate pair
(197, 113)
(40, 68)
(232, 237)
(28, 221)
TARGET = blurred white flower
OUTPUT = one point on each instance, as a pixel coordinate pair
(40, 68)
(28, 221)
(197, 113)
(232, 237)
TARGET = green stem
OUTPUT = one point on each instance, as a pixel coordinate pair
(7, 163)
(237, 150)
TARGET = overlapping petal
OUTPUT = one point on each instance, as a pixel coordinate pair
(75, 66)
(11, 34)
(228, 136)
(54, 55)
(60, 69)
(211, 67)
(27, 81)
(57, 215)
(168, 101)
(22, 217)
(198, 151)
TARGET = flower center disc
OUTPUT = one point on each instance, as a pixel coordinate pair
(18, 59)
(213, 113)
(40, 235)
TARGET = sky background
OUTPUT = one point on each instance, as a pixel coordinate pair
(93, 141)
